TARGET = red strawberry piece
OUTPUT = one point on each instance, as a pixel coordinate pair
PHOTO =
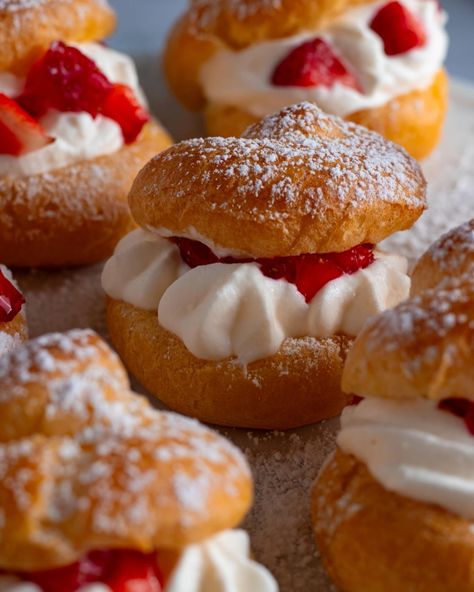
(135, 572)
(19, 132)
(122, 106)
(400, 30)
(194, 253)
(314, 63)
(67, 80)
(313, 273)
(11, 300)
(357, 258)
(460, 408)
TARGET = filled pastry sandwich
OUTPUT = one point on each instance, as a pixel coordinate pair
(378, 63)
(101, 493)
(13, 329)
(393, 507)
(256, 265)
(74, 131)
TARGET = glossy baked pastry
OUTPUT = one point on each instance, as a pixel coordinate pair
(258, 254)
(450, 256)
(376, 63)
(13, 329)
(393, 508)
(74, 131)
(101, 493)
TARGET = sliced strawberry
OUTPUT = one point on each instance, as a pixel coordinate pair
(19, 132)
(11, 300)
(312, 275)
(314, 63)
(67, 80)
(400, 30)
(134, 572)
(122, 106)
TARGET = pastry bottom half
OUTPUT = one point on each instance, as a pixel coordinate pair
(299, 385)
(374, 540)
(414, 120)
(74, 215)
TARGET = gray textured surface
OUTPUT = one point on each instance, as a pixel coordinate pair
(144, 23)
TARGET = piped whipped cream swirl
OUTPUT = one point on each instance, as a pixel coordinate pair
(415, 449)
(243, 78)
(78, 136)
(219, 564)
(233, 310)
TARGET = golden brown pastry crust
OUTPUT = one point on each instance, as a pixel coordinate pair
(421, 348)
(297, 386)
(87, 464)
(28, 28)
(414, 120)
(450, 256)
(275, 191)
(74, 215)
(208, 25)
(373, 540)
(17, 329)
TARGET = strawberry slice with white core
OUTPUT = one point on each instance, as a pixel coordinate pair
(19, 132)
(400, 29)
(313, 63)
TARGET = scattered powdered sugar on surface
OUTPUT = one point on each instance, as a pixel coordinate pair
(284, 465)
(17, 5)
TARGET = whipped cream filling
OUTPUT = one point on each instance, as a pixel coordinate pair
(415, 449)
(219, 564)
(233, 310)
(243, 78)
(78, 136)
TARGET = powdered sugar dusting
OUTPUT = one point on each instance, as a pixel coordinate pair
(17, 5)
(102, 453)
(283, 164)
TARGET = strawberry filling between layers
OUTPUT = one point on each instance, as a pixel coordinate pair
(461, 408)
(316, 63)
(65, 80)
(309, 272)
(122, 570)
(11, 300)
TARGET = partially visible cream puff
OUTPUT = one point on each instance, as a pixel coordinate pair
(256, 265)
(450, 256)
(74, 131)
(393, 507)
(378, 63)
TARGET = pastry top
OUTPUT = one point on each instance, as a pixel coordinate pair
(450, 256)
(298, 182)
(208, 25)
(422, 348)
(87, 464)
(28, 27)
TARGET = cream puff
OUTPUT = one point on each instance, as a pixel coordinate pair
(13, 329)
(101, 493)
(393, 507)
(450, 256)
(74, 132)
(377, 63)
(256, 265)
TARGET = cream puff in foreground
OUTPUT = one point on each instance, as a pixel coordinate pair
(74, 132)
(449, 257)
(377, 63)
(101, 493)
(256, 265)
(13, 329)
(393, 508)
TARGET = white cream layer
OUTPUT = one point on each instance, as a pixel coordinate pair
(219, 564)
(243, 78)
(413, 448)
(233, 310)
(78, 136)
